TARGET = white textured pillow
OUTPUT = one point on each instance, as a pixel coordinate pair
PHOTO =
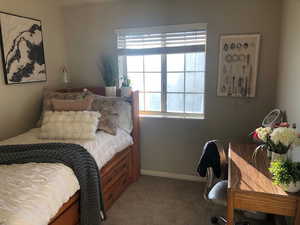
(69, 125)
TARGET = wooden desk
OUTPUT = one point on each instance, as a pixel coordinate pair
(250, 186)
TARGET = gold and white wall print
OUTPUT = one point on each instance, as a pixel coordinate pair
(238, 65)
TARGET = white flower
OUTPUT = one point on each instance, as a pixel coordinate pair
(284, 135)
(263, 133)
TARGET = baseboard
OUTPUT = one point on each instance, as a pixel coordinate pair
(172, 175)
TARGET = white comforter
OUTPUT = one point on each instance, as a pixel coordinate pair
(32, 193)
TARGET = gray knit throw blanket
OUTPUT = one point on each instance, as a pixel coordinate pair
(73, 156)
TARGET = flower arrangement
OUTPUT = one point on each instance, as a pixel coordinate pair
(262, 133)
(278, 140)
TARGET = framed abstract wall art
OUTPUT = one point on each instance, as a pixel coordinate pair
(238, 65)
(22, 49)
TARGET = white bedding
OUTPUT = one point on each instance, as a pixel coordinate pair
(32, 193)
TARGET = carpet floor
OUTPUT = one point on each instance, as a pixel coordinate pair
(162, 201)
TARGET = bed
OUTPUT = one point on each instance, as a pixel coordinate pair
(119, 164)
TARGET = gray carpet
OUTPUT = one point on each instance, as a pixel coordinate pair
(161, 201)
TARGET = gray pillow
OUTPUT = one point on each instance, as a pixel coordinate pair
(120, 106)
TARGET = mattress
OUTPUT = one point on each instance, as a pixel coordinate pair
(103, 148)
(32, 193)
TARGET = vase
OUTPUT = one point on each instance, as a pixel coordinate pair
(126, 91)
(292, 187)
(110, 91)
(276, 156)
(269, 154)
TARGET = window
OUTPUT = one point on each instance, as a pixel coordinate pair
(167, 66)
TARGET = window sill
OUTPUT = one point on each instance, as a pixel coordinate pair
(168, 116)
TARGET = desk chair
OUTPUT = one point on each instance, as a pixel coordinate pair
(216, 191)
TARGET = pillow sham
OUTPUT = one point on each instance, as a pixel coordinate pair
(108, 122)
(72, 105)
(49, 95)
(69, 125)
(121, 107)
(109, 115)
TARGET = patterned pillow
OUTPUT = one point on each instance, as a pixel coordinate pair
(49, 95)
(109, 114)
(69, 125)
(108, 122)
(72, 105)
(123, 108)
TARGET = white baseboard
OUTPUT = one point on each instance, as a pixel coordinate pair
(172, 175)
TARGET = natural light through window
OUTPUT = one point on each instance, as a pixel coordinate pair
(168, 69)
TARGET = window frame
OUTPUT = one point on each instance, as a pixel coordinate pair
(164, 73)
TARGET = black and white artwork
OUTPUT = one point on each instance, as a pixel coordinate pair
(22, 49)
(238, 65)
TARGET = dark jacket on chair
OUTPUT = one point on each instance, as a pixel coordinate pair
(210, 158)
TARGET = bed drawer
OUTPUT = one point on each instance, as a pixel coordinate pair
(111, 194)
(115, 177)
(115, 174)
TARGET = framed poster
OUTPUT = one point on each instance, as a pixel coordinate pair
(22, 49)
(238, 65)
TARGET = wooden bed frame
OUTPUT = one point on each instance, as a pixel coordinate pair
(121, 171)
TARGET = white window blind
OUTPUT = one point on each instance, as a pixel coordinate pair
(162, 40)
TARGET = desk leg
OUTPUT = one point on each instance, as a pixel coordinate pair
(230, 207)
(297, 216)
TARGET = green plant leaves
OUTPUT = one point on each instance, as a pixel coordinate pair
(285, 172)
(109, 71)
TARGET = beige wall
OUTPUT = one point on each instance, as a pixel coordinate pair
(289, 63)
(174, 145)
(20, 104)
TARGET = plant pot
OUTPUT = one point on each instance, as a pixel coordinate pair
(269, 154)
(276, 156)
(110, 91)
(292, 187)
(126, 91)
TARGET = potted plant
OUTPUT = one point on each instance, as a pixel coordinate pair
(278, 140)
(126, 88)
(286, 174)
(109, 74)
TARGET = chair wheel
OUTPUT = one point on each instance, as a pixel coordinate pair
(214, 220)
